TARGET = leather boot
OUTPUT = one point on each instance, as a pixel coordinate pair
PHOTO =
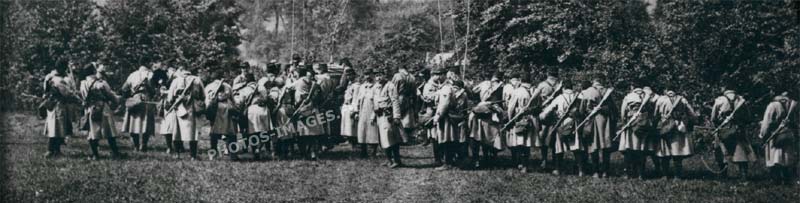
(168, 143)
(135, 141)
(93, 145)
(193, 149)
(112, 143)
(145, 140)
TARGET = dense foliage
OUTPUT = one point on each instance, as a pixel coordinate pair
(695, 47)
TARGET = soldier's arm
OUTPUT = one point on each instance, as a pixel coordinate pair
(444, 101)
(769, 114)
(394, 96)
(715, 110)
(549, 108)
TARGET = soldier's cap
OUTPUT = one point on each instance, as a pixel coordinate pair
(321, 67)
(273, 68)
(438, 70)
(367, 71)
(458, 83)
(552, 72)
(729, 92)
(498, 74)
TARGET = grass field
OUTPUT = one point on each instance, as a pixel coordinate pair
(26, 176)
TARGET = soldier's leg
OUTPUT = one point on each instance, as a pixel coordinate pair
(606, 162)
(557, 159)
(743, 169)
(112, 143)
(135, 141)
(475, 150)
(168, 142)
(214, 141)
(396, 155)
(363, 152)
(678, 165)
(580, 157)
(374, 149)
(93, 145)
(665, 171)
(228, 140)
(193, 149)
(145, 140)
(315, 146)
(437, 153)
(390, 160)
(596, 165)
(525, 156)
(628, 159)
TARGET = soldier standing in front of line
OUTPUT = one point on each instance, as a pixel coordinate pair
(429, 96)
(139, 113)
(388, 126)
(98, 99)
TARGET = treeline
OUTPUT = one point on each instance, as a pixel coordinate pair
(696, 47)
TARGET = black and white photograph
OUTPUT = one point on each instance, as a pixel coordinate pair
(399, 101)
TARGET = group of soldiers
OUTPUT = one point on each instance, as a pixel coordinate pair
(300, 109)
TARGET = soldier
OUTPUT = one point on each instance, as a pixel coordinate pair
(779, 133)
(307, 97)
(139, 113)
(242, 77)
(219, 110)
(544, 91)
(485, 118)
(674, 115)
(449, 121)
(348, 118)
(98, 97)
(329, 101)
(600, 127)
(261, 107)
(187, 99)
(368, 134)
(429, 96)
(389, 126)
(565, 108)
(58, 96)
(636, 110)
(404, 96)
(732, 144)
(168, 123)
(519, 138)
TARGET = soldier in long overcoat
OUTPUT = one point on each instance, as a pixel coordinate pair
(139, 118)
(98, 99)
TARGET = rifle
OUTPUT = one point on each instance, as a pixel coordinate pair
(634, 117)
(182, 97)
(596, 108)
(558, 88)
(211, 111)
(304, 102)
(715, 133)
(780, 127)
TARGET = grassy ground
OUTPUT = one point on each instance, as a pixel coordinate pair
(154, 176)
